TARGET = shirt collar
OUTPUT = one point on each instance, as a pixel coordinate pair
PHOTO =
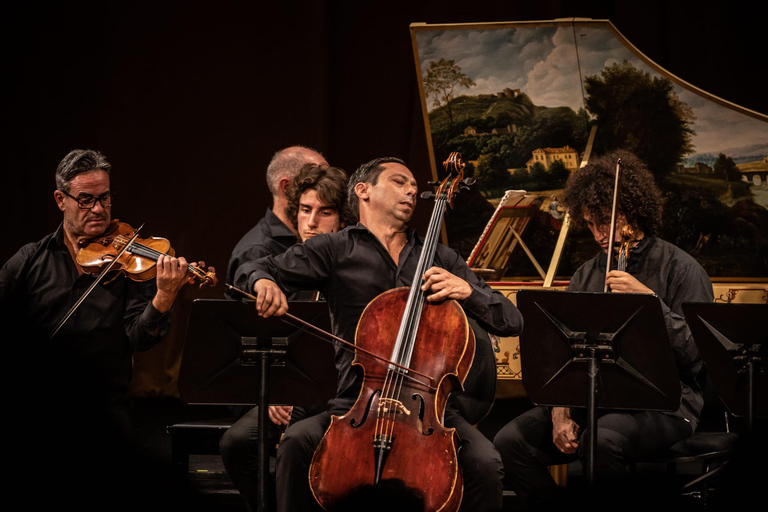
(410, 233)
(642, 250)
(57, 240)
(277, 227)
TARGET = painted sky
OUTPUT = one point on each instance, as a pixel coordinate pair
(544, 63)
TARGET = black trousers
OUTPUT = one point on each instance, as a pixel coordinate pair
(526, 447)
(479, 461)
(239, 447)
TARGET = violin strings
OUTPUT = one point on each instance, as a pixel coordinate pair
(154, 254)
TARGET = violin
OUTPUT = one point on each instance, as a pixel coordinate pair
(395, 428)
(628, 240)
(119, 250)
(628, 235)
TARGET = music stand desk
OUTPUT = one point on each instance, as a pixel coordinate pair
(598, 351)
(233, 356)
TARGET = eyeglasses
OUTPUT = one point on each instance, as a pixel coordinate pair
(86, 202)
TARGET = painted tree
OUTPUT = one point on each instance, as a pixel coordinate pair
(725, 168)
(441, 81)
(558, 174)
(641, 113)
(491, 175)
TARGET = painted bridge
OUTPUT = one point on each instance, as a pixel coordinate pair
(750, 174)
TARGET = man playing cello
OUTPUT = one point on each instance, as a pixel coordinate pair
(353, 267)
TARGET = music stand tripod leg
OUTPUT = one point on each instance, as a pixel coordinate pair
(752, 397)
(263, 437)
(593, 370)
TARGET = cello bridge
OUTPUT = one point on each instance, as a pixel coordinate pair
(390, 404)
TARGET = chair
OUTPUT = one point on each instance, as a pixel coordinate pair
(704, 454)
(196, 437)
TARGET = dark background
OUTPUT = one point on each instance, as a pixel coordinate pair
(189, 100)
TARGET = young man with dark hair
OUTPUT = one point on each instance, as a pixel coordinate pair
(315, 204)
(548, 436)
(274, 233)
(317, 201)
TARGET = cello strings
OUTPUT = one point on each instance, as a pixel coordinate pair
(408, 328)
(425, 264)
(414, 308)
(393, 381)
(428, 260)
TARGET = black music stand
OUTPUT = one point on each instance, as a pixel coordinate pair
(233, 356)
(596, 350)
(733, 340)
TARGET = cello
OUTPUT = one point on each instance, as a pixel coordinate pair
(395, 428)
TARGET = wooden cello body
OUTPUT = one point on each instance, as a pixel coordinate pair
(422, 451)
(395, 428)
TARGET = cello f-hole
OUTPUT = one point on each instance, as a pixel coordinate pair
(353, 422)
(422, 408)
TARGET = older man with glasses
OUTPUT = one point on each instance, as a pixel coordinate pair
(71, 390)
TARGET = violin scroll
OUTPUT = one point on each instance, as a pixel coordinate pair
(627, 243)
(206, 277)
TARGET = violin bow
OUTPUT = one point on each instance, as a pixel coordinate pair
(96, 281)
(612, 228)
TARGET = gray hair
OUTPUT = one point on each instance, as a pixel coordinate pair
(77, 162)
(367, 173)
(287, 163)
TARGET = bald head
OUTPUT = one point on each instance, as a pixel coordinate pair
(287, 163)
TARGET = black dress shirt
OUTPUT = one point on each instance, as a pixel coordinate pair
(676, 278)
(269, 237)
(350, 268)
(91, 358)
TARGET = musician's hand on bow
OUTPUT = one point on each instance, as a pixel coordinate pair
(565, 431)
(270, 299)
(280, 414)
(171, 277)
(444, 285)
(622, 282)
